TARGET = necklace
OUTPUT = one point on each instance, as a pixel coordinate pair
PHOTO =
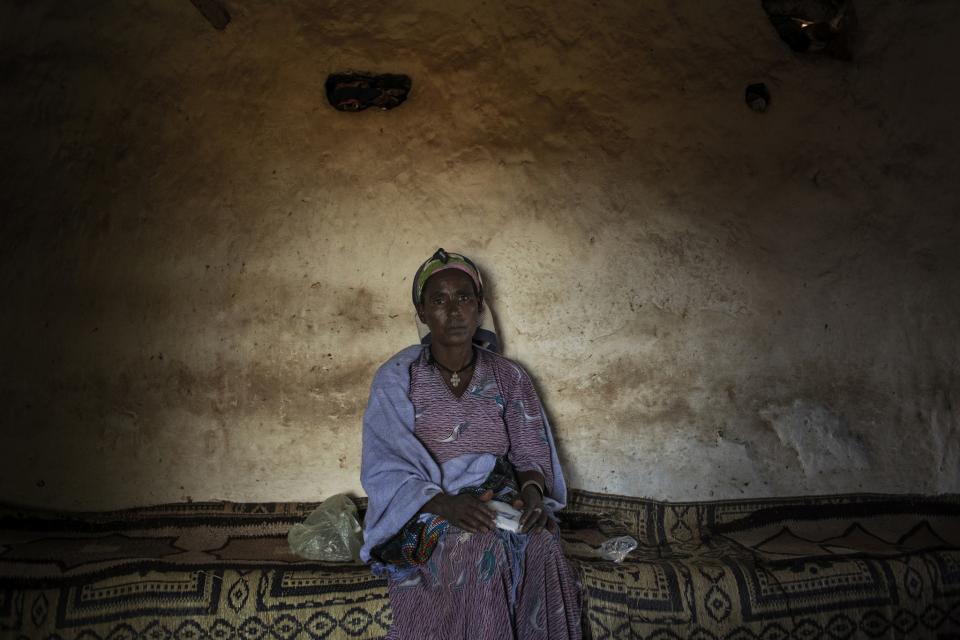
(454, 375)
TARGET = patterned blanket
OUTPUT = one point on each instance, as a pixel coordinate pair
(862, 566)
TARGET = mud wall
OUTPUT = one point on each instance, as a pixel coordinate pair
(203, 263)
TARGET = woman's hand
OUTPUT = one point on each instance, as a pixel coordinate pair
(464, 511)
(534, 516)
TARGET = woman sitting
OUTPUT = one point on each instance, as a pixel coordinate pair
(449, 428)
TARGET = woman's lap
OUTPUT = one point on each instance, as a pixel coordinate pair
(464, 592)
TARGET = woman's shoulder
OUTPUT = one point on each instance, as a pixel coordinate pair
(509, 372)
(397, 368)
(405, 356)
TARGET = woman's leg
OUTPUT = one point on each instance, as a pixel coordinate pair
(548, 602)
(461, 594)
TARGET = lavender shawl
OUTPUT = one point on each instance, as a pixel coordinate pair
(397, 472)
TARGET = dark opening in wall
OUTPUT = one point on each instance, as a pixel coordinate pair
(358, 91)
(814, 25)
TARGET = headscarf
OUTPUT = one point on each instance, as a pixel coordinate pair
(486, 334)
(441, 261)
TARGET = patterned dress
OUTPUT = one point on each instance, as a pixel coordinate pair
(464, 591)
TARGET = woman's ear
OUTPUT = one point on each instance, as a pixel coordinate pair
(420, 315)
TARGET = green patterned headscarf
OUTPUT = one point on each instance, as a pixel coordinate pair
(440, 261)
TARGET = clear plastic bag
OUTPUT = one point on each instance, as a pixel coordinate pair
(331, 533)
(616, 549)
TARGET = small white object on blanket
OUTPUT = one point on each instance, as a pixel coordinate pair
(508, 518)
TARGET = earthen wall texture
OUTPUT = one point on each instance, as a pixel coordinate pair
(203, 263)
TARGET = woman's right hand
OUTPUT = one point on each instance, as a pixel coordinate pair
(464, 511)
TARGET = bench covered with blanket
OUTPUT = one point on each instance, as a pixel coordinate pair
(833, 567)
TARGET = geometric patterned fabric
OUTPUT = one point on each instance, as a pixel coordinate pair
(854, 566)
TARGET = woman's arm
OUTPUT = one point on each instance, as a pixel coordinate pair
(531, 496)
(530, 451)
(463, 510)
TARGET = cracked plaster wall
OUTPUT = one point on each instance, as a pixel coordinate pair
(203, 264)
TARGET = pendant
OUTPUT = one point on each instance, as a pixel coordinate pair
(455, 379)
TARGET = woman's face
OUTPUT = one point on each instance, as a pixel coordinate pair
(450, 308)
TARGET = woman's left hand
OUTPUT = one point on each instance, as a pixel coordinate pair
(534, 516)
